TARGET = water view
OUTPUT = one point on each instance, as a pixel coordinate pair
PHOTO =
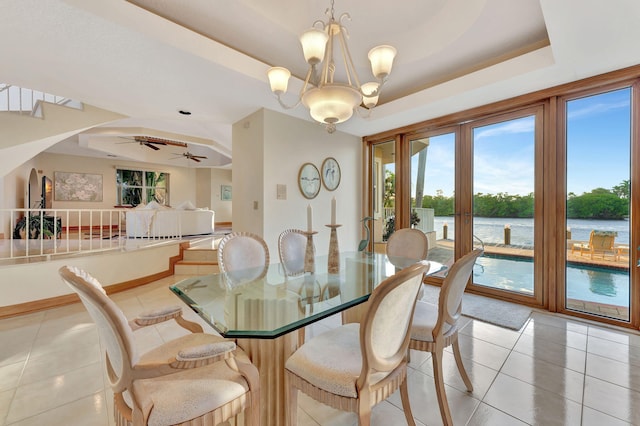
(491, 230)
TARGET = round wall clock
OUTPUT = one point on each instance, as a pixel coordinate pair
(330, 173)
(309, 180)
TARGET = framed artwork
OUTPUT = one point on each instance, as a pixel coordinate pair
(330, 173)
(77, 186)
(309, 180)
(225, 192)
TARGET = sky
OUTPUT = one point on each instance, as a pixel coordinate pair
(598, 151)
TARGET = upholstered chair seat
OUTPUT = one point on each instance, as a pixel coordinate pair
(425, 319)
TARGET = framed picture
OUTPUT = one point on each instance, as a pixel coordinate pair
(225, 192)
(309, 180)
(330, 173)
(77, 186)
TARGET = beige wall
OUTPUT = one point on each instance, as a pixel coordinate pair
(269, 148)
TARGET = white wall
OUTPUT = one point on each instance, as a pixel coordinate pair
(268, 149)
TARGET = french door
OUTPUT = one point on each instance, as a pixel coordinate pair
(498, 209)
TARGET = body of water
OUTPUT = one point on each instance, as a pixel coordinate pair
(491, 230)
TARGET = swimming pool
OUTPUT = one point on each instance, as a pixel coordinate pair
(586, 283)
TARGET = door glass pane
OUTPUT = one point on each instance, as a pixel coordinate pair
(598, 197)
(503, 201)
(432, 193)
(384, 194)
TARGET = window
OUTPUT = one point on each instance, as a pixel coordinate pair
(139, 186)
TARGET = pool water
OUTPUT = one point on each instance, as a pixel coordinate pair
(586, 283)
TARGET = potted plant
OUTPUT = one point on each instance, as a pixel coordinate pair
(390, 225)
(19, 231)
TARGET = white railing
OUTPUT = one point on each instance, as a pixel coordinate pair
(27, 101)
(46, 232)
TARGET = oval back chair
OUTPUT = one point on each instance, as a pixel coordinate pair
(242, 257)
(192, 380)
(436, 327)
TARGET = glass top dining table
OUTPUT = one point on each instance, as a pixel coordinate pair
(275, 304)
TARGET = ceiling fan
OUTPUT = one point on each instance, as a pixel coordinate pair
(190, 156)
(151, 142)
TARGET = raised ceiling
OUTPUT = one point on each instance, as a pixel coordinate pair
(148, 59)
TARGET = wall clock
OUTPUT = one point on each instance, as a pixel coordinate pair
(330, 173)
(309, 180)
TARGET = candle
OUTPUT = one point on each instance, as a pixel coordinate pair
(309, 219)
(333, 211)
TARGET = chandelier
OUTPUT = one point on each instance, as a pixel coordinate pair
(331, 102)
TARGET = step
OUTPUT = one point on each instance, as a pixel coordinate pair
(196, 268)
(200, 254)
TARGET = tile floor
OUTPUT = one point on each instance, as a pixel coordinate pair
(555, 371)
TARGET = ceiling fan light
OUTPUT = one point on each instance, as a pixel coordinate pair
(332, 103)
(368, 89)
(278, 79)
(381, 58)
(314, 43)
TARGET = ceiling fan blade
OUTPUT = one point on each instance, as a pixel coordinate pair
(160, 141)
(198, 156)
(194, 159)
(155, 148)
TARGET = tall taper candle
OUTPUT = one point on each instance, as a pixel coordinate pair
(309, 219)
(333, 211)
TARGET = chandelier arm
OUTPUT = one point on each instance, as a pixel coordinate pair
(328, 59)
(348, 62)
(285, 106)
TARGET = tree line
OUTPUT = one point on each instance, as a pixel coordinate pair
(600, 203)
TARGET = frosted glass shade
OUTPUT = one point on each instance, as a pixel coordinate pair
(314, 42)
(367, 89)
(381, 58)
(331, 103)
(278, 79)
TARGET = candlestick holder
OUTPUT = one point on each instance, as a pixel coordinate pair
(333, 264)
(310, 253)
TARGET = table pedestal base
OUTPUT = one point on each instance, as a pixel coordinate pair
(269, 357)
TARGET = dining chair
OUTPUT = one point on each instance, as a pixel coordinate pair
(436, 327)
(292, 245)
(192, 380)
(242, 257)
(407, 243)
(357, 365)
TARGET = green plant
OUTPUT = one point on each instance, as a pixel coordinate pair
(47, 228)
(390, 225)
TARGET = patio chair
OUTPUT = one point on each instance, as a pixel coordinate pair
(599, 242)
(194, 379)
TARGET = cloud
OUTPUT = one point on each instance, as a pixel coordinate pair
(597, 108)
(525, 125)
